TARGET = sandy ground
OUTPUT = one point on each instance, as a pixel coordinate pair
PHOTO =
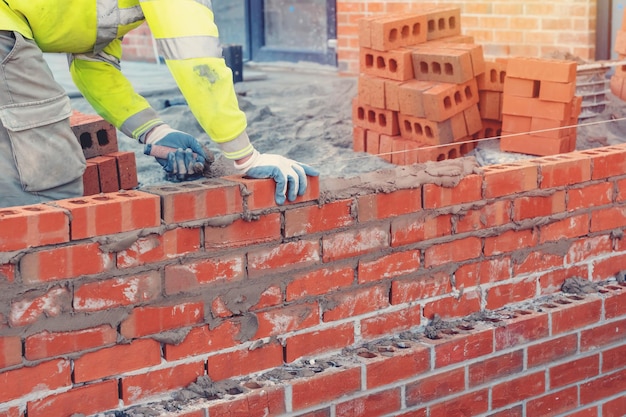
(305, 113)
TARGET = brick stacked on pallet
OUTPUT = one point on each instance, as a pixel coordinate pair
(540, 108)
(108, 168)
(490, 92)
(418, 96)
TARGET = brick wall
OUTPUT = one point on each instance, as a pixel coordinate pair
(504, 28)
(113, 300)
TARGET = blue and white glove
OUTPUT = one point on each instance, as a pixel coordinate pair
(290, 176)
(180, 154)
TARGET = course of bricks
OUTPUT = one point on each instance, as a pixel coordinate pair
(114, 300)
(108, 169)
(426, 93)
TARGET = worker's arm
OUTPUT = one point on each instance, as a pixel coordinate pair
(188, 40)
(100, 80)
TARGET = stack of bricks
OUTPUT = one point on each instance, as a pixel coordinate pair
(618, 79)
(491, 92)
(418, 93)
(108, 168)
(540, 109)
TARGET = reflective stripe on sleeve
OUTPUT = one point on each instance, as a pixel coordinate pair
(138, 124)
(189, 47)
(110, 17)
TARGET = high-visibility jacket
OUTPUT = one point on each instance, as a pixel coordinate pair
(186, 37)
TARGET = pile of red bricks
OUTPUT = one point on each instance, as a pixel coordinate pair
(426, 93)
(108, 168)
(540, 108)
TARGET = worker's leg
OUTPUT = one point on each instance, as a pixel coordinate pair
(40, 158)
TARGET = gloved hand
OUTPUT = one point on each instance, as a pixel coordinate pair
(180, 154)
(290, 176)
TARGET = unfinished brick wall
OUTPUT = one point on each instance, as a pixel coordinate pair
(113, 300)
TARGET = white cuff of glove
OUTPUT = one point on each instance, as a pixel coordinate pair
(158, 133)
(244, 166)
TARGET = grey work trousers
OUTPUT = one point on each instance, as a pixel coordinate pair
(40, 158)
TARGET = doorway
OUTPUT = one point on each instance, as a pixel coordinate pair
(280, 30)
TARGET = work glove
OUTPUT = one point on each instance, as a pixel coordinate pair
(180, 154)
(290, 176)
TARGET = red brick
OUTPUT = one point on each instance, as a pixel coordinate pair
(143, 321)
(535, 145)
(202, 340)
(614, 408)
(420, 288)
(126, 169)
(467, 190)
(354, 303)
(354, 243)
(10, 351)
(551, 282)
(389, 266)
(525, 386)
(46, 376)
(602, 335)
(85, 400)
(521, 87)
(372, 91)
(510, 241)
(394, 65)
(112, 213)
(435, 63)
(475, 403)
(567, 228)
(615, 304)
(96, 136)
(287, 255)
(489, 105)
(117, 292)
(493, 78)
(552, 129)
(443, 101)
(392, 94)
(329, 385)
(12, 412)
(443, 253)
(191, 276)
(401, 364)
(604, 387)
(150, 384)
(358, 139)
(585, 248)
(386, 147)
(506, 179)
(319, 282)
(418, 228)
(372, 142)
(91, 179)
(554, 403)
(30, 226)
(431, 387)
(453, 307)
(609, 218)
(287, 319)
(557, 91)
(607, 161)
(574, 371)
(117, 360)
(52, 303)
(510, 412)
(107, 173)
(523, 328)
(411, 97)
(608, 267)
(155, 248)
(572, 315)
(540, 260)
(429, 132)
(385, 324)
(560, 170)
(542, 69)
(243, 362)
(535, 107)
(7, 272)
(538, 206)
(267, 401)
(589, 196)
(443, 21)
(499, 296)
(491, 215)
(496, 367)
(49, 344)
(483, 272)
(318, 342)
(517, 124)
(552, 350)
(613, 359)
(198, 200)
(394, 31)
(379, 403)
(372, 118)
(393, 204)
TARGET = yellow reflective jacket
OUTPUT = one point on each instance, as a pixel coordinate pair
(186, 36)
